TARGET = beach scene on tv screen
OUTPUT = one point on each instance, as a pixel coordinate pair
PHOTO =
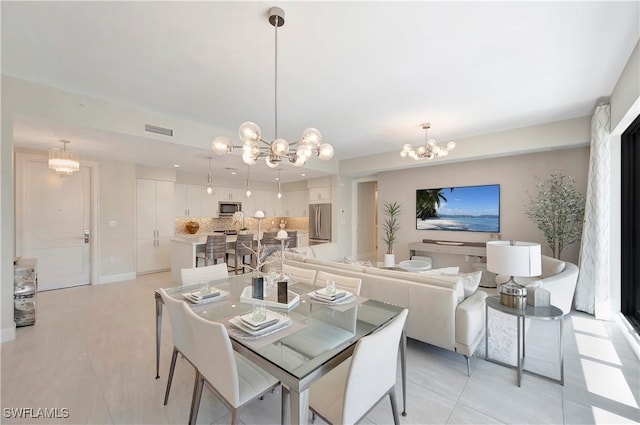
(466, 208)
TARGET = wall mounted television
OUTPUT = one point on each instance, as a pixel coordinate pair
(463, 208)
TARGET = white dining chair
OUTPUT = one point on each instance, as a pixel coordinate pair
(350, 391)
(235, 380)
(182, 339)
(208, 273)
(300, 275)
(351, 284)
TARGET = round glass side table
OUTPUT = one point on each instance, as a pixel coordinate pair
(530, 312)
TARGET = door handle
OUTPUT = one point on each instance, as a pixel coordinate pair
(86, 235)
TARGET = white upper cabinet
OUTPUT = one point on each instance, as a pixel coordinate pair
(209, 202)
(318, 195)
(188, 200)
(295, 203)
(230, 194)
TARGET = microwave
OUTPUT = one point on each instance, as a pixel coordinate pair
(226, 209)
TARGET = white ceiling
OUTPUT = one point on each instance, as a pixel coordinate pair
(365, 73)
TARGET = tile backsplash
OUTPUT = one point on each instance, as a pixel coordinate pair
(208, 224)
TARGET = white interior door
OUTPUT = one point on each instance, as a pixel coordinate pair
(57, 214)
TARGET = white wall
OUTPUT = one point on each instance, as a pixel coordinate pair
(117, 227)
(515, 174)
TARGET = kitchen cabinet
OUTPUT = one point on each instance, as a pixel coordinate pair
(229, 194)
(295, 203)
(154, 224)
(250, 203)
(320, 195)
(188, 200)
(209, 202)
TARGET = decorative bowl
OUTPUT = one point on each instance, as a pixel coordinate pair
(192, 226)
(414, 265)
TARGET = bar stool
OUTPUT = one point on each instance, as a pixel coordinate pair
(214, 250)
(244, 244)
(269, 238)
(292, 239)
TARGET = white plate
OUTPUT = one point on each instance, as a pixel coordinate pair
(283, 322)
(344, 300)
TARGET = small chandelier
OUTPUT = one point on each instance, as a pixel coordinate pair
(254, 146)
(429, 150)
(64, 162)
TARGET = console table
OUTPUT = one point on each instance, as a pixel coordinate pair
(478, 249)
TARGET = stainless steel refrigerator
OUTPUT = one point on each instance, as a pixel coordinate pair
(319, 223)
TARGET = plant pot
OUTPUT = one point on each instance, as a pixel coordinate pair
(389, 260)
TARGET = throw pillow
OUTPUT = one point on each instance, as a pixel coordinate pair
(349, 260)
(551, 266)
(449, 271)
(470, 282)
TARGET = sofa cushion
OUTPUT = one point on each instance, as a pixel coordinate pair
(470, 282)
(551, 266)
(327, 251)
(305, 251)
(335, 265)
(450, 271)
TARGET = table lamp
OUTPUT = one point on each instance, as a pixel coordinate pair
(513, 259)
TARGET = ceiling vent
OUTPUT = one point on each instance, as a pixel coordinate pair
(149, 128)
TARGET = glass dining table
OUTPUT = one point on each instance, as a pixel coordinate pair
(317, 339)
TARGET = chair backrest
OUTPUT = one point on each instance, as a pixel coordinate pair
(244, 244)
(182, 337)
(292, 240)
(269, 238)
(377, 352)
(351, 284)
(216, 246)
(208, 273)
(214, 356)
(300, 275)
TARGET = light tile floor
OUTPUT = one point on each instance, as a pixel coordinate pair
(92, 352)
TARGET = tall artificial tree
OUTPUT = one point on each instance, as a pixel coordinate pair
(558, 211)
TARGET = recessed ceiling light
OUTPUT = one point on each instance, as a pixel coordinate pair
(233, 172)
(303, 175)
(176, 165)
(277, 178)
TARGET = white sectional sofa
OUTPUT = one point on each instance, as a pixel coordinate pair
(439, 312)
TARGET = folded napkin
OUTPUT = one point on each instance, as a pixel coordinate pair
(322, 294)
(247, 319)
(196, 295)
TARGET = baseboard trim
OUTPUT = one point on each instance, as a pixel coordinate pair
(8, 334)
(116, 278)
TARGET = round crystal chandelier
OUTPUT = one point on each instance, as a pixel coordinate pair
(255, 147)
(62, 161)
(429, 150)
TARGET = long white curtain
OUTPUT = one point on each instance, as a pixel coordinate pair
(593, 287)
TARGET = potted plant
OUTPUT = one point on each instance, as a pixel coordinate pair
(391, 227)
(558, 211)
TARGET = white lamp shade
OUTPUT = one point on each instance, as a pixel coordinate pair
(514, 258)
